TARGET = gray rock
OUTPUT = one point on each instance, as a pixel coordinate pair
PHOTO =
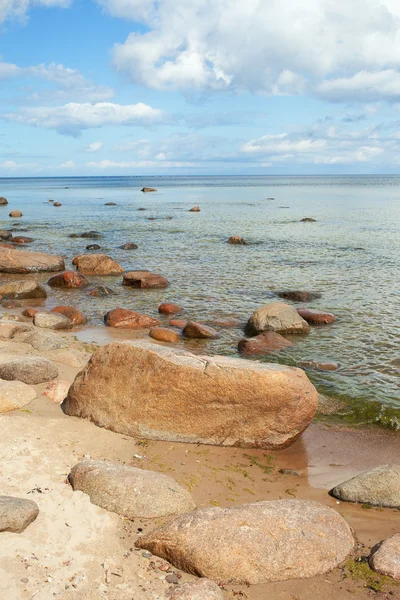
(129, 491)
(14, 395)
(385, 557)
(254, 543)
(16, 513)
(5, 235)
(10, 329)
(54, 321)
(41, 340)
(201, 589)
(276, 316)
(29, 369)
(378, 487)
(22, 289)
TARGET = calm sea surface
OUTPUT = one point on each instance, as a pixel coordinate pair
(351, 254)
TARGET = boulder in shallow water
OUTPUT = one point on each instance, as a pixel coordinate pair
(299, 295)
(265, 343)
(168, 308)
(15, 395)
(21, 239)
(16, 513)
(129, 246)
(129, 491)
(5, 235)
(97, 264)
(278, 317)
(3, 201)
(75, 315)
(101, 292)
(29, 369)
(316, 317)
(21, 290)
(52, 321)
(128, 319)
(195, 209)
(199, 331)
(144, 280)
(68, 279)
(385, 557)
(23, 261)
(148, 189)
(164, 334)
(237, 240)
(15, 214)
(254, 543)
(205, 399)
(378, 487)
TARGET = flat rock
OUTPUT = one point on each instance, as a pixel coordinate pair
(15, 395)
(29, 369)
(129, 319)
(178, 323)
(264, 343)
(164, 334)
(23, 261)
(129, 491)
(148, 189)
(201, 589)
(298, 295)
(319, 365)
(11, 304)
(22, 290)
(21, 239)
(278, 317)
(68, 279)
(195, 209)
(52, 321)
(9, 329)
(254, 543)
(75, 315)
(40, 340)
(199, 331)
(378, 487)
(169, 394)
(101, 292)
(16, 513)
(385, 557)
(97, 264)
(145, 280)
(316, 317)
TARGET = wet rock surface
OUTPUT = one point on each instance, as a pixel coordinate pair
(278, 317)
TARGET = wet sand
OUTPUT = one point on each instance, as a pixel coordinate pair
(63, 553)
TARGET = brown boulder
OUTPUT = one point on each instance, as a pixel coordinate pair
(316, 317)
(144, 280)
(30, 312)
(76, 316)
(97, 264)
(129, 319)
(205, 399)
(22, 261)
(20, 239)
(148, 189)
(236, 239)
(298, 295)
(178, 323)
(3, 201)
(57, 204)
(254, 543)
(319, 365)
(68, 279)
(263, 344)
(6, 245)
(15, 213)
(22, 290)
(167, 308)
(278, 317)
(195, 209)
(129, 246)
(163, 334)
(199, 331)
(16, 513)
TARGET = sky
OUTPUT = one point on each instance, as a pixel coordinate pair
(181, 87)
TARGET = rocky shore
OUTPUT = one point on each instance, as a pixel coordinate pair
(145, 468)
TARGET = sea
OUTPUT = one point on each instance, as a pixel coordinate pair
(350, 254)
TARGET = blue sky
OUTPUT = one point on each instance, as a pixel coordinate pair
(129, 87)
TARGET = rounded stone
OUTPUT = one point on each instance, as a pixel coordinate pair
(29, 369)
(163, 334)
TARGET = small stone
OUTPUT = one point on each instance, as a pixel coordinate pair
(57, 390)
(172, 578)
(167, 308)
(148, 189)
(93, 247)
(29, 312)
(101, 292)
(110, 204)
(308, 220)
(163, 334)
(199, 331)
(319, 365)
(15, 213)
(146, 554)
(16, 513)
(3, 201)
(57, 204)
(237, 240)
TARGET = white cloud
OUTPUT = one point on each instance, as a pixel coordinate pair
(336, 48)
(72, 118)
(94, 147)
(17, 9)
(111, 164)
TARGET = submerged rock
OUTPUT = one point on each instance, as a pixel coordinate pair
(68, 279)
(75, 315)
(316, 317)
(145, 280)
(5, 235)
(167, 308)
(129, 491)
(385, 557)
(254, 543)
(195, 209)
(15, 395)
(278, 317)
(16, 513)
(236, 239)
(148, 189)
(101, 292)
(210, 399)
(22, 261)
(263, 344)
(20, 239)
(308, 220)
(129, 246)
(378, 487)
(93, 247)
(299, 295)
(97, 264)
(29, 369)
(199, 331)
(22, 290)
